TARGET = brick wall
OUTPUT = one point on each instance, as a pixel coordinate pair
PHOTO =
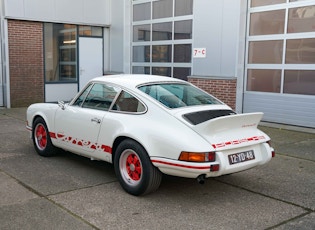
(225, 90)
(26, 62)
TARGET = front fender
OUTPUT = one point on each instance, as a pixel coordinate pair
(45, 110)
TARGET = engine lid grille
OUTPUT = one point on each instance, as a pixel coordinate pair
(196, 118)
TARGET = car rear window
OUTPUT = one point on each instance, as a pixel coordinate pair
(175, 95)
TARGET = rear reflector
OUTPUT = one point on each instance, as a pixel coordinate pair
(214, 168)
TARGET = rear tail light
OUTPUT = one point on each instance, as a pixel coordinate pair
(197, 157)
(273, 153)
(211, 156)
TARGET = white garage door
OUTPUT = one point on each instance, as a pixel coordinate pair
(280, 61)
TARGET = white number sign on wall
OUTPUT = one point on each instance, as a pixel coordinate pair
(199, 52)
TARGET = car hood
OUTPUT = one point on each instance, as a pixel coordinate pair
(223, 128)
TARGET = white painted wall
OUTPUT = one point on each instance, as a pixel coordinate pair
(92, 12)
(118, 37)
(60, 92)
(216, 28)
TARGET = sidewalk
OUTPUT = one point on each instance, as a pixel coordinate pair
(72, 192)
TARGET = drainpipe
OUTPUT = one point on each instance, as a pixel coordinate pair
(4, 58)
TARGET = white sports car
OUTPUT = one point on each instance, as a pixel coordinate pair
(148, 125)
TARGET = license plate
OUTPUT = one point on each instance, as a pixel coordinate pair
(241, 157)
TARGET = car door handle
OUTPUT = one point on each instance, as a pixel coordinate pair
(96, 120)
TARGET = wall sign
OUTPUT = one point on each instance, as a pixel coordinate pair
(199, 52)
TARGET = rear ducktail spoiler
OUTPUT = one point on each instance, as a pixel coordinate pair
(232, 130)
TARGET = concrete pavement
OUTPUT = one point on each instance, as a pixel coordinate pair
(72, 192)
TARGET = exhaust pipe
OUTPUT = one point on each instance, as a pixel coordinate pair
(201, 179)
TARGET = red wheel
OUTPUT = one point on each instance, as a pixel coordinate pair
(130, 167)
(134, 170)
(41, 138)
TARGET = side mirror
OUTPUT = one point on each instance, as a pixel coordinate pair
(62, 105)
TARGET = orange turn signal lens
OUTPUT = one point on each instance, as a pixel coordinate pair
(197, 157)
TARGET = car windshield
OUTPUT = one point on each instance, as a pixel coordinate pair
(176, 95)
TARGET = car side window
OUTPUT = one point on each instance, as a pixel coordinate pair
(81, 98)
(128, 103)
(100, 97)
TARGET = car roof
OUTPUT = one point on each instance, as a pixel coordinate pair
(134, 80)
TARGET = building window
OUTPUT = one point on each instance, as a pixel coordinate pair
(183, 29)
(142, 33)
(267, 22)
(299, 82)
(142, 12)
(161, 53)
(300, 51)
(60, 52)
(265, 52)
(183, 7)
(264, 80)
(162, 9)
(280, 47)
(91, 31)
(162, 37)
(162, 31)
(255, 3)
(301, 19)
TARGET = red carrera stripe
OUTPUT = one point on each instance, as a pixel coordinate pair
(52, 135)
(75, 141)
(181, 165)
(236, 142)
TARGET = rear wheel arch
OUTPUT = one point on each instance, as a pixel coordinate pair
(120, 139)
(117, 141)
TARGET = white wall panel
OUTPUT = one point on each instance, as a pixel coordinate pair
(14, 7)
(216, 28)
(60, 92)
(40, 9)
(69, 11)
(118, 37)
(95, 12)
(230, 36)
(207, 26)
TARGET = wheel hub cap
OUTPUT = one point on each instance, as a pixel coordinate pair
(133, 166)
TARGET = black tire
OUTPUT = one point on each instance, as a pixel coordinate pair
(41, 139)
(134, 170)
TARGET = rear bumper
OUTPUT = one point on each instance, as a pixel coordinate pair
(263, 154)
(182, 168)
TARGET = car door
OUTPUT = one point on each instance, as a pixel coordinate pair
(77, 125)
